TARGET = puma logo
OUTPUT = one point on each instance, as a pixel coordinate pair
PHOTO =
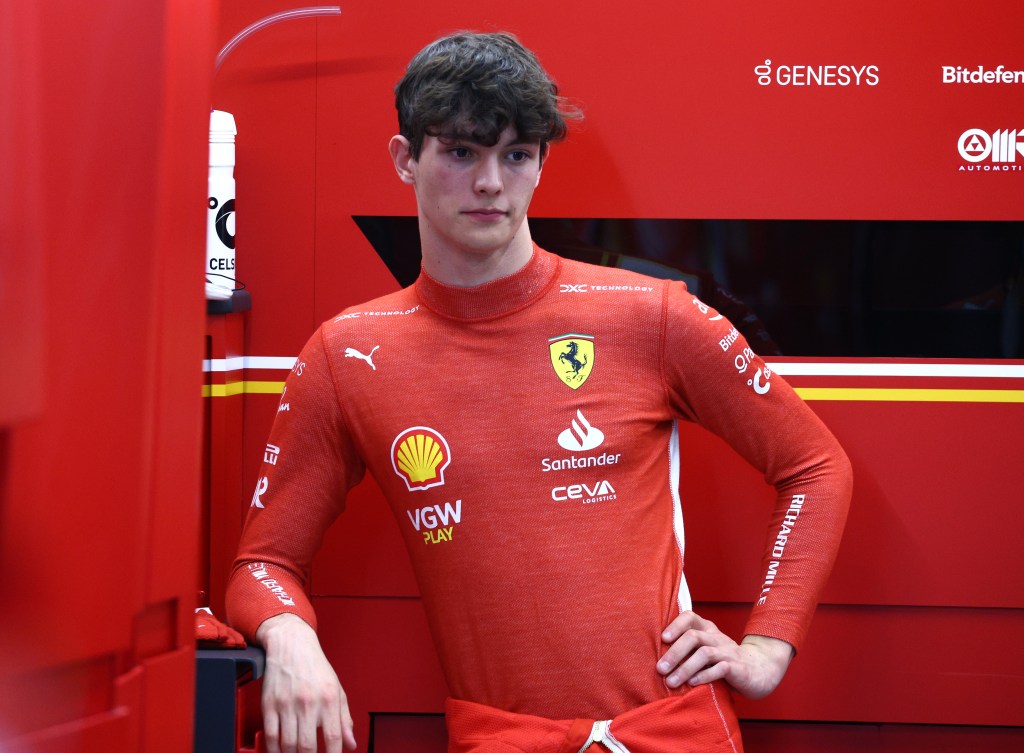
(353, 353)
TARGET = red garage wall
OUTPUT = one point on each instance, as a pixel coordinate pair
(684, 119)
(102, 189)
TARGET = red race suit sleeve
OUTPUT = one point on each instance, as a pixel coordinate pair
(309, 464)
(715, 379)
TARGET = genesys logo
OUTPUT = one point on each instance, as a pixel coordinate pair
(956, 74)
(436, 522)
(990, 152)
(816, 75)
(587, 494)
(420, 456)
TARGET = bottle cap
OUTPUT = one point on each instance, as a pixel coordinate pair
(222, 139)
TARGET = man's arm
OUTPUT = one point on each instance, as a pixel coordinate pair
(308, 466)
(716, 380)
(700, 653)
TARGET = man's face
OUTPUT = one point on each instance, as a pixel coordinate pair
(473, 198)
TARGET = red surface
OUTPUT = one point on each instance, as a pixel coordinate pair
(226, 500)
(677, 126)
(897, 664)
(411, 733)
(21, 197)
(100, 483)
(922, 530)
(396, 671)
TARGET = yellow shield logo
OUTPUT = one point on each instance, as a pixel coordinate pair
(572, 357)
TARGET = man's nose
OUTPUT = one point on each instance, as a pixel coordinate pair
(488, 175)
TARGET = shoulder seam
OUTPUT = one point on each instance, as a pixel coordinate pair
(334, 382)
(663, 346)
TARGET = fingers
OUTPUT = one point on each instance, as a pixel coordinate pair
(290, 724)
(696, 644)
(685, 621)
(271, 731)
(308, 722)
(338, 728)
(301, 692)
(289, 733)
(332, 733)
(686, 633)
(348, 731)
(703, 657)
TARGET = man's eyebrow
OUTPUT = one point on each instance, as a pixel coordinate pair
(521, 143)
(453, 138)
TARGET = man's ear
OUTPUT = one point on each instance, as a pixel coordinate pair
(401, 155)
(545, 152)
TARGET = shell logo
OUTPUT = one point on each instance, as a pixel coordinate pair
(419, 456)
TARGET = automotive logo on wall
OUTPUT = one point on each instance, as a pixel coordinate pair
(816, 75)
(572, 358)
(991, 152)
(419, 456)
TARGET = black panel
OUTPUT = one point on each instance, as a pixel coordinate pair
(806, 287)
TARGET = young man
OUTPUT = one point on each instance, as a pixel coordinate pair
(526, 438)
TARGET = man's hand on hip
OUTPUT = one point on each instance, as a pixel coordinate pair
(700, 653)
(301, 692)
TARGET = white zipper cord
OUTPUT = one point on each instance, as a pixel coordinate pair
(601, 733)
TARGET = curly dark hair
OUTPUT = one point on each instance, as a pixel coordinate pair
(471, 86)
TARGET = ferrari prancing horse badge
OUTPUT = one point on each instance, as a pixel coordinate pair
(572, 357)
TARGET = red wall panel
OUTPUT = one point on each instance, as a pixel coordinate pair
(100, 481)
(929, 523)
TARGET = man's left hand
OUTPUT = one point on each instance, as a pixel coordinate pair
(700, 653)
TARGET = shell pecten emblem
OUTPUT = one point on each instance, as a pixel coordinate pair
(419, 456)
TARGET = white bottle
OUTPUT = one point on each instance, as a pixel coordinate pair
(220, 213)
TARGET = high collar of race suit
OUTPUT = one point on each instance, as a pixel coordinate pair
(500, 297)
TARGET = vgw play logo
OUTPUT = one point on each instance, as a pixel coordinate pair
(991, 152)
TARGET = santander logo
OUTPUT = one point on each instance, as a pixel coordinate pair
(581, 436)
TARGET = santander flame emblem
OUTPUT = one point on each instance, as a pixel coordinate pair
(581, 436)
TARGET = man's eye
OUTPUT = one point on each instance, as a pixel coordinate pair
(459, 152)
(519, 156)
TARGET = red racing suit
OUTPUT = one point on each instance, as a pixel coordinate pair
(525, 434)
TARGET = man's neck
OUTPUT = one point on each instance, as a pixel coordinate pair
(467, 269)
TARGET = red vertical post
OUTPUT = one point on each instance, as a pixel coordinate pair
(103, 198)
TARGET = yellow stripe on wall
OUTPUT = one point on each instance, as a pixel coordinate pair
(863, 394)
(870, 394)
(237, 388)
